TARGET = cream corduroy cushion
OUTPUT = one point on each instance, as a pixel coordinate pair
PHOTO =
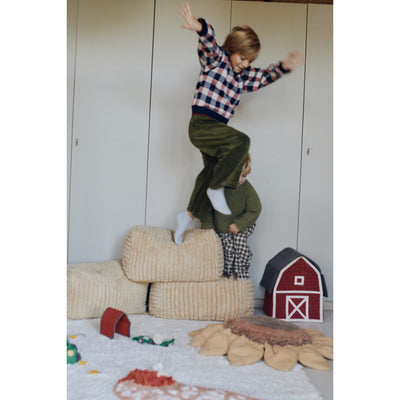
(212, 301)
(151, 255)
(93, 287)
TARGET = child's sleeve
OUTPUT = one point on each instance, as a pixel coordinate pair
(209, 52)
(257, 78)
(253, 210)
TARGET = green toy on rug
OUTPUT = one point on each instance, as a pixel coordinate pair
(72, 353)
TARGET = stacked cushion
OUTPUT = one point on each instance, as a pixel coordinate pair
(212, 301)
(186, 279)
(151, 255)
(93, 287)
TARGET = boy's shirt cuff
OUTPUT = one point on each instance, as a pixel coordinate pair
(285, 71)
(204, 30)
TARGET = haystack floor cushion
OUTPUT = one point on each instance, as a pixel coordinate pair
(212, 301)
(93, 287)
(151, 255)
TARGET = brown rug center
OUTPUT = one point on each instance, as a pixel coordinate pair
(264, 329)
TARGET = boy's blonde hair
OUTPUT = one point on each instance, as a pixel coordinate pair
(243, 40)
(247, 166)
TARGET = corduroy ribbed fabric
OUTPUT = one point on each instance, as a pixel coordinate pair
(151, 255)
(93, 287)
(210, 301)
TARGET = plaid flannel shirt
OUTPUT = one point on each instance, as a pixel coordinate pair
(219, 88)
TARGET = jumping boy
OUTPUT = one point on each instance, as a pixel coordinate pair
(225, 74)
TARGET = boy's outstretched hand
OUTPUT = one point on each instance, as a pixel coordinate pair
(293, 60)
(191, 21)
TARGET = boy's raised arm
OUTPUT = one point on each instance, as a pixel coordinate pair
(293, 60)
(192, 23)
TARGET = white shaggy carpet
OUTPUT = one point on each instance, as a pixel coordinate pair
(115, 358)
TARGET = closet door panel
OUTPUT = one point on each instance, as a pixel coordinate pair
(272, 118)
(72, 21)
(173, 161)
(316, 201)
(110, 126)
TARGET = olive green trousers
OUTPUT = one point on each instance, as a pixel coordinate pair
(224, 151)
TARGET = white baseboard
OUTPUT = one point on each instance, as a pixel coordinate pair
(328, 305)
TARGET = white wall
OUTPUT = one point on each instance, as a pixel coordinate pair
(110, 126)
(316, 201)
(72, 22)
(134, 163)
(272, 118)
(174, 161)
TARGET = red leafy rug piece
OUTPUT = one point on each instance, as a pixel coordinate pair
(146, 385)
(147, 378)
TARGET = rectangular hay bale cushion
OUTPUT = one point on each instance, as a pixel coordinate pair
(93, 287)
(210, 301)
(151, 255)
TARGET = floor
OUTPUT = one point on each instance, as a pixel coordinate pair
(322, 380)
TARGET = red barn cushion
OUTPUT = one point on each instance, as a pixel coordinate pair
(294, 287)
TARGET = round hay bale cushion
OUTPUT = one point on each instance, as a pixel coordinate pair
(151, 255)
(211, 301)
(93, 287)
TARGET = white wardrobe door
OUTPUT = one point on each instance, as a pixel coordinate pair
(72, 21)
(272, 118)
(316, 200)
(110, 126)
(173, 161)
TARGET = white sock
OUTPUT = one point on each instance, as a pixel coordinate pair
(217, 198)
(183, 219)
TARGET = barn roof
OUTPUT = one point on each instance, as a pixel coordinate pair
(280, 261)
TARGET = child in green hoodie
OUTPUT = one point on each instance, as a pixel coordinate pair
(234, 229)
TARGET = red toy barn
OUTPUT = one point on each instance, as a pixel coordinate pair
(294, 287)
(114, 321)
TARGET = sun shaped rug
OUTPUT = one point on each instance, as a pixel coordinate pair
(281, 344)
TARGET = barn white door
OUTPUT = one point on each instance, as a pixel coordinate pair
(297, 307)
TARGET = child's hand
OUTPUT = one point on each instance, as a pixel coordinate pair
(191, 21)
(293, 60)
(233, 228)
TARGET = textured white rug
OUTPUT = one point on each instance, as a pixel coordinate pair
(115, 358)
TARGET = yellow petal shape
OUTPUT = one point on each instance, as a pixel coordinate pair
(244, 352)
(281, 358)
(216, 345)
(196, 332)
(312, 358)
(327, 341)
(201, 338)
(313, 332)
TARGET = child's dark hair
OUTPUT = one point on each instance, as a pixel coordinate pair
(243, 40)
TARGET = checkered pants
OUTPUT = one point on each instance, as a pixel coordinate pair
(237, 254)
